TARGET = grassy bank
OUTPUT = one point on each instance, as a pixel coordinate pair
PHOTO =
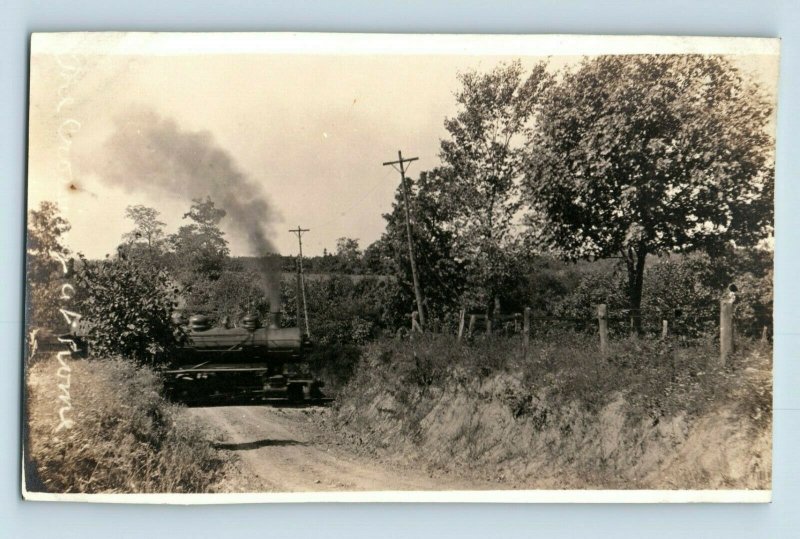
(651, 415)
(125, 436)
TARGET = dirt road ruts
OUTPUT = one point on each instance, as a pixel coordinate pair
(279, 452)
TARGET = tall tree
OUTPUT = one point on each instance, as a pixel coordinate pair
(349, 255)
(44, 271)
(147, 228)
(377, 259)
(146, 242)
(441, 271)
(483, 162)
(200, 248)
(640, 155)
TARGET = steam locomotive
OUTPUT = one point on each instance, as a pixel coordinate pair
(247, 358)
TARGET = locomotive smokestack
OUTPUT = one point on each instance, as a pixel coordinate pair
(271, 274)
(274, 319)
(274, 295)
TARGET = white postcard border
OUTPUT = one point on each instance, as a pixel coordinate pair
(154, 43)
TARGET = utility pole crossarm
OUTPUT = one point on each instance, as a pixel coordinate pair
(417, 289)
(401, 161)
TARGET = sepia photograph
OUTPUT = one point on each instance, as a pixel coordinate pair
(376, 267)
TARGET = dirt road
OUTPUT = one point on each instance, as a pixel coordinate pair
(281, 451)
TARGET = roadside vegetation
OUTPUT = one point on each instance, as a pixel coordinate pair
(651, 415)
(125, 436)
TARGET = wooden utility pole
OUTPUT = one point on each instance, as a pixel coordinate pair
(299, 231)
(298, 294)
(417, 291)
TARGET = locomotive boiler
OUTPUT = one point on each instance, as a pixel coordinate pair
(249, 357)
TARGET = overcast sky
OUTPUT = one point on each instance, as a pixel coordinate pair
(312, 131)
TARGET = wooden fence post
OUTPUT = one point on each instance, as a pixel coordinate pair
(725, 330)
(415, 322)
(664, 329)
(526, 329)
(602, 323)
(461, 324)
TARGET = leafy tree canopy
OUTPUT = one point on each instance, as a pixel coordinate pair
(442, 274)
(127, 307)
(147, 228)
(46, 229)
(483, 161)
(349, 254)
(200, 248)
(146, 243)
(635, 155)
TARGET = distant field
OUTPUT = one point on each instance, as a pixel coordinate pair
(290, 276)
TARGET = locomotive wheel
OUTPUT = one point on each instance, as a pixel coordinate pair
(314, 392)
(184, 392)
(294, 393)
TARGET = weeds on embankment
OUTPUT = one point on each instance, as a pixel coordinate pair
(652, 414)
(125, 436)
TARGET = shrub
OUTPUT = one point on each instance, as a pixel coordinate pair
(680, 290)
(127, 308)
(335, 364)
(683, 289)
(595, 287)
(340, 310)
(694, 284)
(125, 436)
(753, 306)
(233, 295)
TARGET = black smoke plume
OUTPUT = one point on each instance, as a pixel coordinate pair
(152, 154)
